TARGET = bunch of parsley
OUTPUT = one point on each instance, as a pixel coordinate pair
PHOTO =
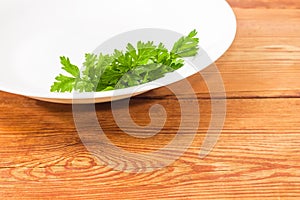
(145, 63)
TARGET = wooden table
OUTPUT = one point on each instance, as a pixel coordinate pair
(256, 157)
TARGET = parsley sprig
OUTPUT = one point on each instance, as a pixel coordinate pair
(137, 65)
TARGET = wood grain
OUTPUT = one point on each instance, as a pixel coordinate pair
(256, 157)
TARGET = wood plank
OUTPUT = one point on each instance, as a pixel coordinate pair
(240, 166)
(267, 4)
(28, 137)
(39, 117)
(268, 54)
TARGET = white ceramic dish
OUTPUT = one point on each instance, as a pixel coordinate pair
(34, 34)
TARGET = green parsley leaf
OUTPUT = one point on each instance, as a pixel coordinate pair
(66, 83)
(187, 46)
(68, 67)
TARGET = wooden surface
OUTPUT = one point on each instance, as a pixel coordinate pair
(257, 155)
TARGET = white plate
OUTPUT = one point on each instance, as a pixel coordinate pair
(35, 33)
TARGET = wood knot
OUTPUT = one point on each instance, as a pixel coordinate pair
(80, 162)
